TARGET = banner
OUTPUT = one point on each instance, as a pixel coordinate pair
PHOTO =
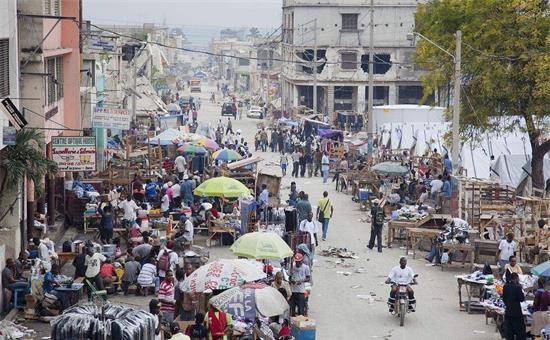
(239, 303)
(102, 45)
(109, 118)
(74, 153)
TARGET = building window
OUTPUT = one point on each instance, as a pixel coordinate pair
(244, 62)
(382, 63)
(4, 68)
(348, 60)
(349, 21)
(412, 94)
(54, 80)
(52, 7)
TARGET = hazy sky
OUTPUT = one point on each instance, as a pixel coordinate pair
(264, 14)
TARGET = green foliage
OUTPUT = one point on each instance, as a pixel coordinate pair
(505, 60)
(26, 157)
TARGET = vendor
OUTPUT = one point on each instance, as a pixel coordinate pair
(506, 248)
(129, 207)
(218, 323)
(282, 286)
(10, 280)
(50, 283)
(512, 267)
(541, 305)
(299, 275)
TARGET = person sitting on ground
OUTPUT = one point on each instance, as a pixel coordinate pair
(147, 277)
(107, 273)
(131, 272)
(185, 231)
(143, 251)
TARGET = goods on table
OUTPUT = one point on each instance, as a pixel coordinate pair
(410, 213)
(90, 321)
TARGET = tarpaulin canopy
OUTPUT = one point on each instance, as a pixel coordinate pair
(330, 133)
(168, 137)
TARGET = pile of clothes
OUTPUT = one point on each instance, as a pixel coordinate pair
(85, 190)
(456, 231)
(409, 213)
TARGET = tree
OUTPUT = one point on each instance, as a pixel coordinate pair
(24, 159)
(254, 32)
(505, 65)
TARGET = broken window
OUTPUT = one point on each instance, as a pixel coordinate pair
(412, 94)
(244, 62)
(349, 21)
(348, 60)
(380, 94)
(307, 56)
(382, 63)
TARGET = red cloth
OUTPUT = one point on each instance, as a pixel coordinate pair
(215, 213)
(285, 331)
(107, 270)
(217, 324)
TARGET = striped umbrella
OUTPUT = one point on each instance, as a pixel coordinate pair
(208, 143)
(189, 148)
(226, 155)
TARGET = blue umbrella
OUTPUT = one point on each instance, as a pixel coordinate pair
(542, 269)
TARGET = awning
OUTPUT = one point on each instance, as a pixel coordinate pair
(244, 162)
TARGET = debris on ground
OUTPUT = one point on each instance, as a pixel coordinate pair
(342, 253)
(10, 330)
(344, 273)
(369, 298)
(359, 270)
(356, 286)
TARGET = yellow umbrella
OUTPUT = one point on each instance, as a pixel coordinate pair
(221, 187)
(261, 246)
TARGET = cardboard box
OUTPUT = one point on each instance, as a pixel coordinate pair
(303, 334)
(302, 322)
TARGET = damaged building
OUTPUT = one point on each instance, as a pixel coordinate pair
(339, 31)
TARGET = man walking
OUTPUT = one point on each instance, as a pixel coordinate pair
(325, 167)
(324, 213)
(377, 213)
(295, 162)
(229, 126)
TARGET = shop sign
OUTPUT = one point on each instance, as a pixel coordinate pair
(74, 153)
(109, 118)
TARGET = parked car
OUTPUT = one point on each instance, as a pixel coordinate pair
(255, 112)
(229, 109)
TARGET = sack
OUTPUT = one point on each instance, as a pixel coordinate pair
(487, 269)
(164, 261)
(67, 248)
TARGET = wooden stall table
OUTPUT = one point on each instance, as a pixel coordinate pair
(415, 234)
(403, 225)
(469, 285)
(73, 293)
(497, 313)
(217, 227)
(87, 220)
(63, 258)
(464, 247)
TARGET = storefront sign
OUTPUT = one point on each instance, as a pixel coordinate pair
(74, 153)
(103, 45)
(8, 135)
(109, 118)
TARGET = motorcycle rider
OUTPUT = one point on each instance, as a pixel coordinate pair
(401, 274)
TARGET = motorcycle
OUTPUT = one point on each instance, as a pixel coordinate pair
(401, 303)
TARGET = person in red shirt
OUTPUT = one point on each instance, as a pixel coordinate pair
(166, 297)
(107, 273)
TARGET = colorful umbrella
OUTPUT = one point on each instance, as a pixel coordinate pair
(222, 274)
(226, 155)
(190, 148)
(208, 143)
(390, 169)
(261, 245)
(243, 302)
(542, 269)
(221, 187)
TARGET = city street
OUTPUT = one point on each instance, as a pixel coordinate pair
(334, 304)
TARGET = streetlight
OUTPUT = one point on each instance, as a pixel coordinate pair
(457, 57)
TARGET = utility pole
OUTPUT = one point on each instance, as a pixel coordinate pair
(370, 125)
(315, 66)
(455, 152)
(134, 88)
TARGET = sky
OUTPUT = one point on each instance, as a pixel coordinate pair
(200, 18)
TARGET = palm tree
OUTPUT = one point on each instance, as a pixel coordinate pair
(254, 32)
(25, 159)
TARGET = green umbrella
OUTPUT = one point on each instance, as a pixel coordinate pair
(221, 187)
(390, 169)
(542, 269)
(261, 246)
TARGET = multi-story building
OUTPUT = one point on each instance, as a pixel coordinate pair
(237, 63)
(342, 40)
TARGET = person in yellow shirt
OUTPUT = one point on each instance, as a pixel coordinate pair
(512, 267)
(324, 213)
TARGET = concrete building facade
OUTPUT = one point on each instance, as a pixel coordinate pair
(342, 41)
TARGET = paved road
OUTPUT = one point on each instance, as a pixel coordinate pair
(335, 305)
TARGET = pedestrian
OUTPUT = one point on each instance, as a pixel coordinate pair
(181, 166)
(229, 126)
(166, 297)
(325, 166)
(506, 248)
(263, 202)
(303, 207)
(310, 227)
(325, 211)
(512, 296)
(377, 223)
(317, 157)
(263, 140)
(165, 204)
(154, 308)
(218, 323)
(284, 163)
(302, 164)
(106, 226)
(448, 165)
(309, 164)
(296, 161)
(299, 275)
